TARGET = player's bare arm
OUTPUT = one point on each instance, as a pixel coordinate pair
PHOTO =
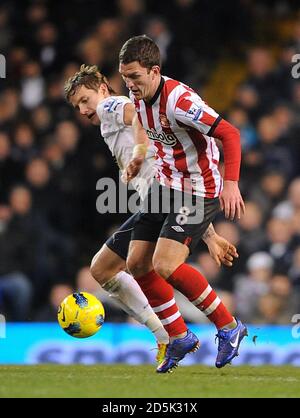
(129, 113)
(139, 151)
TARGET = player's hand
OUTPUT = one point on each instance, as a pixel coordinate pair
(221, 250)
(231, 200)
(133, 169)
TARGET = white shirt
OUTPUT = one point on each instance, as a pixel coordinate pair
(119, 138)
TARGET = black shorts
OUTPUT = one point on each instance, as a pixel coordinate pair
(119, 241)
(186, 223)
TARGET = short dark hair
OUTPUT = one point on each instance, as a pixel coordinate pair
(141, 49)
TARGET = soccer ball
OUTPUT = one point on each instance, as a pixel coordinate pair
(81, 315)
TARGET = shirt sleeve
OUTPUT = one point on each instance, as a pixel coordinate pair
(111, 114)
(230, 137)
(191, 110)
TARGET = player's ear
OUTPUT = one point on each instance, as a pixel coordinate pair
(103, 88)
(155, 70)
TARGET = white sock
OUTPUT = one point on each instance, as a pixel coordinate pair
(156, 327)
(128, 294)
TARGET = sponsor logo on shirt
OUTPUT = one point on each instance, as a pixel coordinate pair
(166, 139)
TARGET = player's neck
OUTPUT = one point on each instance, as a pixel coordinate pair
(102, 100)
(155, 90)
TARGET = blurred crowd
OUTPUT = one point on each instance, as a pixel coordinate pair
(51, 158)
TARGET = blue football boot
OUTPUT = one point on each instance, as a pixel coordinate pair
(177, 350)
(229, 342)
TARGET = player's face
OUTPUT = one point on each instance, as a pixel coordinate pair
(86, 101)
(141, 81)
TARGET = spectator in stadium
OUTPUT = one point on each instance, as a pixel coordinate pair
(247, 98)
(271, 310)
(16, 289)
(274, 155)
(48, 313)
(10, 171)
(269, 191)
(287, 208)
(280, 304)
(39, 180)
(9, 106)
(42, 122)
(239, 118)
(252, 234)
(33, 85)
(294, 270)
(261, 75)
(250, 287)
(281, 242)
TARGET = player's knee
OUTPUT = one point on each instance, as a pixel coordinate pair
(136, 267)
(98, 273)
(162, 268)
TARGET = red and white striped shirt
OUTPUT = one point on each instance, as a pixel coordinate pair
(180, 124)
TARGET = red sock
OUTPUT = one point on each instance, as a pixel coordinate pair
(195, 287)
(161, 297)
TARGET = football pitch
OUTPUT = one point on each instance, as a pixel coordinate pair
(123, 381)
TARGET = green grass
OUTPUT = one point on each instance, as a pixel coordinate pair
(141, 381)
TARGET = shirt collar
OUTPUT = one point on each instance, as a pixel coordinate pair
(157, 93)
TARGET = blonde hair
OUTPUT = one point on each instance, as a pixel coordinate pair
(88, 76)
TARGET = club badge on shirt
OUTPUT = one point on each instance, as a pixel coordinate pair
(164, 120)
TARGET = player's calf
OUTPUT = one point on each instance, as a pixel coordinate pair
(106, 264)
